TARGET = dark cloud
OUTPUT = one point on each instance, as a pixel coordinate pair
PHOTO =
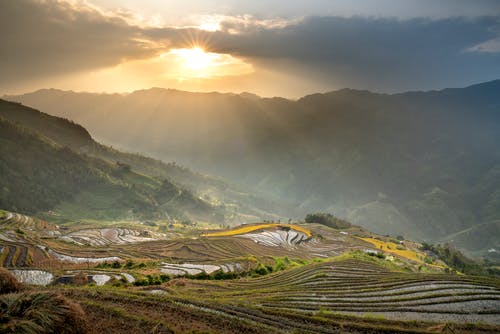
(52, 37)
(47, 38)
(385, 53)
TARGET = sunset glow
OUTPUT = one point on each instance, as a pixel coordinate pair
(195, 63)
(195, 59)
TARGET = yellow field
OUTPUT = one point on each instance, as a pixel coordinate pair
(391, 247)
(251, 228)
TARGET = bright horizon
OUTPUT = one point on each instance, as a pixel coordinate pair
(270, 48)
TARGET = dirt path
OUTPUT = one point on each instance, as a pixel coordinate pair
(10, 256)
(21, 260)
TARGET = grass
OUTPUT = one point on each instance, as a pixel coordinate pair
(251, 228)
(8, 283)
(39, 313)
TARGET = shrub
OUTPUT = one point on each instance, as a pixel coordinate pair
(118, 283)
(152, 280)
(327, 219)
(103, 265)
(141, 282)
(377, 254)
(280, 264)
(220, 275)
(129, 264)
(201, 276)
(261, 270)
(41, 313)
(8, 283)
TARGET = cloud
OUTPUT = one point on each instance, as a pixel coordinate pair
(42, 39)
(492, 45)
(390, 53)
(53, 37)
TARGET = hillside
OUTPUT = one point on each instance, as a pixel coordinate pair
(421, 164)
(241, 204)
(40, 175)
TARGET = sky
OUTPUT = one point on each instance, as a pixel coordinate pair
(286, 48)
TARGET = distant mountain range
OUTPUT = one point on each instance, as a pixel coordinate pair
(422, 164)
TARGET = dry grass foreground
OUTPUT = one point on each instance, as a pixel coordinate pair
(26, 312)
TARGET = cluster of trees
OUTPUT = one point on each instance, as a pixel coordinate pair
(327, 219)
(117, 265)
(152, 280)
(458, 261)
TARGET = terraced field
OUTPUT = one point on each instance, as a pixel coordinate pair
(111, 236)
(270, 244)
(396, 249)
(33, 242)
(363, 288)
(24, 240)
(335, 296)
(194, 269)
(256, 227)
(33, 277)
(17, 248)
(41, 227)
(284, 238)
(330, 283)
(81, 259)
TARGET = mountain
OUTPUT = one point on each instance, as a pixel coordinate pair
(233, 204)
(422, 164)
(43, 171)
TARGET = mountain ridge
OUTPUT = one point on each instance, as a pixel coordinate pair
(493, 84)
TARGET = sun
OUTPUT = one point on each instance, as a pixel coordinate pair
(195, 59)
(196, 63)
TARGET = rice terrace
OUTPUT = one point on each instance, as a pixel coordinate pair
(255, 278)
